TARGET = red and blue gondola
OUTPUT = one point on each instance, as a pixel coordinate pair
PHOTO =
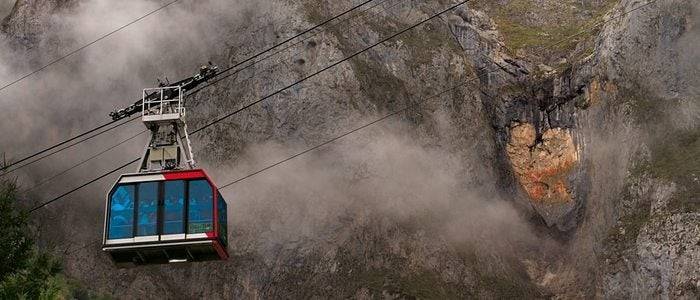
(172, 216)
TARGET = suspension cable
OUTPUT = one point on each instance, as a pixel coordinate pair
(253, 57)
(264, 98)
(75, 250)
(53, 147)
(211, 83)
(294, 37)
(81, 186)
(334, 26)
(336, 138)
(330, 141)
(88, 45)
(45, 181)
(289, 86)
(120, 143)
(66, 147)
(329, 67)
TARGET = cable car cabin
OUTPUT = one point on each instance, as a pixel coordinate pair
(173, 216)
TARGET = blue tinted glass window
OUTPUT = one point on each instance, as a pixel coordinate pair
(174, 207)
(201, 207)
(121, 213)
(223, 218)
(147, 209)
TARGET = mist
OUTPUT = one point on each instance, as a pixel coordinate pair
(5, 7)
(77, 93)
(381, 173)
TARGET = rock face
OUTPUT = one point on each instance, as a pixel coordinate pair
(542, 171)
(652, 251)
(668, 256)
(649, 244)
(504, 178)
(28, 19)
(542, 168)
(533, 111)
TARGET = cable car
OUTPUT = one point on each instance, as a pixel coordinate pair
(168, 211)
(168, 217)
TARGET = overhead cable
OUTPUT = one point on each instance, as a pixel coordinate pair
(112, 122)
(263, 99)
(87, 45)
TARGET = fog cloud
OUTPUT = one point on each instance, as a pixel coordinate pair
(5, 7)
(385, 174)
(381, 173)
(77, 93)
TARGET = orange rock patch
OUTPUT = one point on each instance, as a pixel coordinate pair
(598, 90)
(542, 168)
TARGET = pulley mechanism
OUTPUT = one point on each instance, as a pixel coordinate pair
(186, 85)
(163, 112)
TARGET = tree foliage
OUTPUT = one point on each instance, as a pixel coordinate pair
(15, 242)
(41, 279)
(25, 272)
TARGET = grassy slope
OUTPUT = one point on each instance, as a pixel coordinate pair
(530, 26)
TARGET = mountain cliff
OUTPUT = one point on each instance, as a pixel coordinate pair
(549, 149)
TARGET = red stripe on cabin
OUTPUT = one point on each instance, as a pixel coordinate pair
(220, 250)
(216, 212)
(184, 175)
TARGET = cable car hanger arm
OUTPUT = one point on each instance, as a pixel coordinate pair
(205, 74)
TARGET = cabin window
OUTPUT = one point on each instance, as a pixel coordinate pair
(222, 219)
(121, 213)
(174, 207)
(200, 207)
(147, 209)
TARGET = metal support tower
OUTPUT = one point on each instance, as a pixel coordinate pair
(163, 113)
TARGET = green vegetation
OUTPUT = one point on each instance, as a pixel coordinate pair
(642, 107)
(675, 157)
(39, 278)
(519, 36)
(531, 25)
(25, 273)
(620, 239)
(631, 223)
(513, 285)
(380, 86)
(423, 43)
(15, 244)
(674, 151)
